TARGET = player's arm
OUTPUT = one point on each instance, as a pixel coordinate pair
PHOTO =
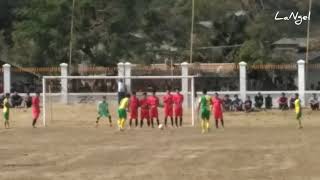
(198, 106)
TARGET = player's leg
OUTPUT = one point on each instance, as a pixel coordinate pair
(203, 126)
(97, 121)
(34, 121)
(217, 123)
(208, 125)
(176, 121)
(299, 120)
(148, 122)
(222, 122)
(165, 121)
(141, 123)
(120, 118)
(152, 122)
(6, 120)
(172, 123)
(130, 122)
(110, 120)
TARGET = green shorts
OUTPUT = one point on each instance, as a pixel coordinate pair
(6, 116)
(205, 114)
(104, 114)
(122, 113)
(299, 115)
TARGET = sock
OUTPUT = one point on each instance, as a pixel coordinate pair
(123, 123)
(207, 125)
(203, 125)
(119, 123)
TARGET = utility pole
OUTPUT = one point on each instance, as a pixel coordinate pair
(71, 35)
(308, 33)
(191, 34)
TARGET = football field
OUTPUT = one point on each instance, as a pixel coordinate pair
(255, 146)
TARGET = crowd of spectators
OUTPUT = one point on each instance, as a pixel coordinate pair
(284, 103)
(17, 101)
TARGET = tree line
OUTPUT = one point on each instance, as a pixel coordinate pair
(37, 32)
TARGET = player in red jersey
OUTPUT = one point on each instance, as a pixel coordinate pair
(153, 102)
(144, 110)
(35, 109)
(217, 108)
(133, 108)
(168, 107)
(178, 110)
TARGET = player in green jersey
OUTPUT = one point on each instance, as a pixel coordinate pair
(297, 105)
(6, 111)
(103, 111)
(122, 112)
(204, 107)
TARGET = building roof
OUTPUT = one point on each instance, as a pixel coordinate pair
(300, 42)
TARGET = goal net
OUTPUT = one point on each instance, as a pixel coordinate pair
(73, 100)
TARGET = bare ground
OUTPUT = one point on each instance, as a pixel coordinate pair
(257, 146)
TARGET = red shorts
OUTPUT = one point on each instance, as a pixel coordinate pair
(168, 112)
(144, 114)
(218, 115)
(133, 113)
(178, 111)
(154, 113)
(35, 113)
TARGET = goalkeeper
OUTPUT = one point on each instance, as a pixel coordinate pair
(103, 111)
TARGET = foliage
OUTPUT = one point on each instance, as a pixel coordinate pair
(144, 31)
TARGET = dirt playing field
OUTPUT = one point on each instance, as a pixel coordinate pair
(255, 146)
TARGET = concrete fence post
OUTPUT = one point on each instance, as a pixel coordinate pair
(64, 83)
(6, 78)
(243, 79)
(127, 73)
(184, 83)
(301, 81)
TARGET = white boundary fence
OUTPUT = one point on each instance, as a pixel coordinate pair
(125, 69)
(64, 94)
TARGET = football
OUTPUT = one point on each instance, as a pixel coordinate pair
(161, 126)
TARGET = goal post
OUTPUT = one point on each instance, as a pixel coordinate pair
(189, 95)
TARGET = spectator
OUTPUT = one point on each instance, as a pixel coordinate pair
(237, 103)
(227, 103)
(292, 100)
(268, 102)
(121, 90)
(27, 101)
(258, 99)
(314, 102)
(1, 100)
(283, 102)
(318, 87)
(312, 87)
(16, 100)
(248, 104)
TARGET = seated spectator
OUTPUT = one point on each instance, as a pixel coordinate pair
(291, 102)
(283, 102)
(314, 102)
(318, 87)
(237, 103)
(258, 99)
(248, 104)
(268, 102)
(227, 103)
(1, 100)
(27, 101)
(16, 100)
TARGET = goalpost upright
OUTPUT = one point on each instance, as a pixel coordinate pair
(191, 78)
